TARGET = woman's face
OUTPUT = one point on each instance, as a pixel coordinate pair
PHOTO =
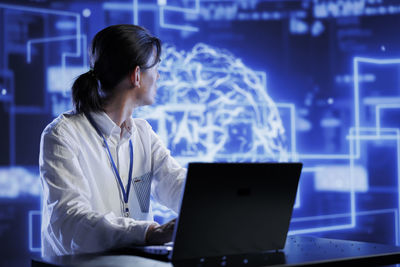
(148, 83)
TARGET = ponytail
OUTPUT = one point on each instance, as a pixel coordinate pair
(85, 93)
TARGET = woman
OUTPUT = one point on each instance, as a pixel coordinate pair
(98, 165)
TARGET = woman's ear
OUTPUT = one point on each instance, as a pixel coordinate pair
(135, 77)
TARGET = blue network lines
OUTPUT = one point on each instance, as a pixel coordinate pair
(214, 102)
(164, 8)
(358, 134)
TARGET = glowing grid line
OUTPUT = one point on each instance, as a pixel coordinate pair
(352, 191)
(350, 156)
(39, 10)
(52, 12)
(297, 203)
(76, 37)
(356, 62)
(378, 111)
(57, 39)
(30, 229)
(345, 215)
(356, 80)
(357, 128)
(77, 54)
(44, 40)
(163, 8)
(135, 11)
(376, 137)
(292, 109)
(352, 213)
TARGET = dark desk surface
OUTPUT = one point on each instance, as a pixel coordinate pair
(299, 251)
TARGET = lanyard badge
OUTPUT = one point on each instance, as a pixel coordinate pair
(128, 187)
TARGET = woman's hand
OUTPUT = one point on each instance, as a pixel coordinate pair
(160, 234)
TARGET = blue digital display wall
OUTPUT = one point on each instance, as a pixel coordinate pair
(316, 81)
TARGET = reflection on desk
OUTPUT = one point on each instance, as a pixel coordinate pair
(299, 251)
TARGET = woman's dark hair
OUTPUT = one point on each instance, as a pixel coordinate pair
(115, 52)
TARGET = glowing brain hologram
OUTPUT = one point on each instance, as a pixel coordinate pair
(211, 107)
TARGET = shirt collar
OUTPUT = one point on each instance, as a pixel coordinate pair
(107, 126)
(128, 127)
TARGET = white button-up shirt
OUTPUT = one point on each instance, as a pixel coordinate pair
(82, 199)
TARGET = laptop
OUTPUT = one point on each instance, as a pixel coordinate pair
(230, 209)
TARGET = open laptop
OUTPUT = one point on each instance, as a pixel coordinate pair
(232, 208)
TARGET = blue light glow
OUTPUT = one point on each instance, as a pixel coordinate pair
(18, 182)
(331, 99)
(335, 178)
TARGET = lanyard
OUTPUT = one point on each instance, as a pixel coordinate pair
(128, 187)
